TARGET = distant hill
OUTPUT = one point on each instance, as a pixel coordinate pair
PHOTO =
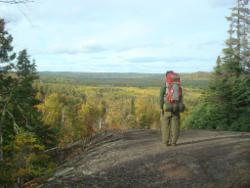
(194, 80)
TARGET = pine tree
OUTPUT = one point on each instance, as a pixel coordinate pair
(25, 99)
(19, 117)
(245, 36)
(237, 55)
(6, 80)
(26, 68)
(227, 105)
(26, 111)
(218, 66)
(132, 107)
(227, 88)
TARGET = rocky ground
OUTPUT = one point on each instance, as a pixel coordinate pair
(202, 159)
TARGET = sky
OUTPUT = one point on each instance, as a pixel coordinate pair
(145, 36)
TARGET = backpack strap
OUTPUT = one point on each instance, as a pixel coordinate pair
(167, 89)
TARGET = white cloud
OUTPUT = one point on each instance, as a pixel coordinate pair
(222, 3)
(10, 14)
(107, 35)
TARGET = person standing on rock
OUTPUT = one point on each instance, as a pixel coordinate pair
(171, 104)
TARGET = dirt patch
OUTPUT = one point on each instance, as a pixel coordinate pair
(176, 171)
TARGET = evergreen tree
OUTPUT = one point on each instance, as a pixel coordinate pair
(229, 75)
(25, 99)
(18, 117)
(236, 55)
(6, 80)
(245, 37)
(218, 65)
(132, 110)
(227, 103)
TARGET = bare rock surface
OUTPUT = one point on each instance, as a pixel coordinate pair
(202, 159)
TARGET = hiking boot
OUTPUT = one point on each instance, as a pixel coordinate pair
(167, 145)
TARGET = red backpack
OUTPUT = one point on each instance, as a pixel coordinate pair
(173, 93)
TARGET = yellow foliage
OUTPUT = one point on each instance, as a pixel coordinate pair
(28, 159)
(109, 105)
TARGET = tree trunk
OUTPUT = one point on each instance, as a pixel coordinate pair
(100, 123)
(62, 117)
(1, 134)
(239, 32)
(1, 145)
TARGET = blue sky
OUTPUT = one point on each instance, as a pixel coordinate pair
(147, 36)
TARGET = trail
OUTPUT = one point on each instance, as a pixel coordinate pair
(202, 159)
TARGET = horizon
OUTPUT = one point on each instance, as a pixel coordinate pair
(205, 72)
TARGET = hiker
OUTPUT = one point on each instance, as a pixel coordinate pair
(171, 104)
